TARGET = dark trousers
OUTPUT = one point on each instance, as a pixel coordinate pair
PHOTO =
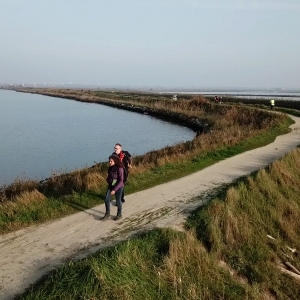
(125, 180)
(108, 197)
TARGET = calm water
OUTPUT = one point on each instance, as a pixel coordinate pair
(40, 135)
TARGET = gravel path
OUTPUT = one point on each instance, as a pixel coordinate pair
(26, 255)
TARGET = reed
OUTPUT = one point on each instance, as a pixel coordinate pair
(233, 248)
(233, 129)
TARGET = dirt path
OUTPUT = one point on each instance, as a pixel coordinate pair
(28, 254)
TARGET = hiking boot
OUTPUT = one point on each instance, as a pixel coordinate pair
(118, 217)
(106, 216)
(123, 200)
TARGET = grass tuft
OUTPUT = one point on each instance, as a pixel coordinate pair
(246, 128)
(232, 248)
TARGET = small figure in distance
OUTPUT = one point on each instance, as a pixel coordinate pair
(115, 180)
(126, 158)
(272, 103)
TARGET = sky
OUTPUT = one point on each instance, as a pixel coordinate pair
(165, 43)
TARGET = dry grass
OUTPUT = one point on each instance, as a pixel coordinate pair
(91, 181)
(261, 205)
(226, 254)
(21, 201)
(79, 180)
(229, 124)
(187, 256)
(19, 186)
(29, 197)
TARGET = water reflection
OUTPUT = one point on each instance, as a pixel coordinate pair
(41, 134)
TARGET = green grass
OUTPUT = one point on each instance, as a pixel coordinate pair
(138, 269)
(55, 207)
(235, 227)
(173, 171)
(224, 253)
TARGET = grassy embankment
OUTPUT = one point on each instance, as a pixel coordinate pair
(235, 247)
(234, 128)
(286, 106)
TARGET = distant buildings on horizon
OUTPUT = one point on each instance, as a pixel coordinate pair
(148, 88)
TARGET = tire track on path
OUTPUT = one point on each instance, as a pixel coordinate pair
(28, 254)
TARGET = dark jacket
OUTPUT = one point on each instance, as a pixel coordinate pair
(126, 161)
(117, 173)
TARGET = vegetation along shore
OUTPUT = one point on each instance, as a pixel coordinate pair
(238, 246)
(224, 130)
(243, 244)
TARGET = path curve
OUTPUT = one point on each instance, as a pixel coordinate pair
(28, 254)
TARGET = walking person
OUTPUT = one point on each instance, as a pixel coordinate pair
(115, 180)
(272, 103)
(126, 158)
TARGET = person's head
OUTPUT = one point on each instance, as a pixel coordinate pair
(118, 148)
(114, 160)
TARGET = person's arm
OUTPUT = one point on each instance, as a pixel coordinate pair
(120, 180)
(129, 157)
(108, 178)
(130, 162)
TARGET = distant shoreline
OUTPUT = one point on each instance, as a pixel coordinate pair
(292, 97)
(278, 92)
(233, 94)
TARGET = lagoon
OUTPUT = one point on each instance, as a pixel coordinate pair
(41, 135)
(245, 94)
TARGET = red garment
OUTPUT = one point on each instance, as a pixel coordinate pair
(121, 156)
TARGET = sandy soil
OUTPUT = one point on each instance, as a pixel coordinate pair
(28, 254)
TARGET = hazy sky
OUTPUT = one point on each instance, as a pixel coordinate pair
(188, 43)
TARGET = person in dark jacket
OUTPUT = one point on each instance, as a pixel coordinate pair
(126, 158)
(115, 180)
